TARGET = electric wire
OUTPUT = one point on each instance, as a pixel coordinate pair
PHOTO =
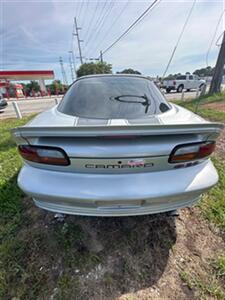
(88, 38)
(139, 19)
(213, 37)
(179, 38)
(102, 22)
(116, 19)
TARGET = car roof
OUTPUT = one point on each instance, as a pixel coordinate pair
(112, 75)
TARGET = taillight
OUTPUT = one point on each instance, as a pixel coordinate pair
(194, 151)
(44, 155)
(174, 82)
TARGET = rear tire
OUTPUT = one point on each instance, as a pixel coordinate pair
(180, 88)
(168, 90)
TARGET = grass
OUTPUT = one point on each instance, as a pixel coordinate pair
(203, 288)
(207, 113)
(219, 266)
(213, 203)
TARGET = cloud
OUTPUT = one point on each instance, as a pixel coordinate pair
(34, 34)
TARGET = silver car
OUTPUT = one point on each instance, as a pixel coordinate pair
(115, 147)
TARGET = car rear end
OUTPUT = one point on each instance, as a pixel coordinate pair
(117, 166)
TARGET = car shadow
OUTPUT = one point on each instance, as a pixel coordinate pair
(132, 253)
(87, 257)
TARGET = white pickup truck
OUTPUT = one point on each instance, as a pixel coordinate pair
(187, 82)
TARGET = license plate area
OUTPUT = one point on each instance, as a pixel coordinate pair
(119, 204)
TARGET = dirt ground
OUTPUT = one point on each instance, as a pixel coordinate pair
(220, 106)
(145, 257)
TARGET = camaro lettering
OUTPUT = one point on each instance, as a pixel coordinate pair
(119, 166)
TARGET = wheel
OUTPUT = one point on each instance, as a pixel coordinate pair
(188, 90)
(168, 90)
(180, 88)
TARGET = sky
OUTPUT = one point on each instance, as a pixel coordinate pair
(35, 33)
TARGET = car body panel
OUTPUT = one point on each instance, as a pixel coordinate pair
(117, 195)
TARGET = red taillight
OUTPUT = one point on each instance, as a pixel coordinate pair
(194, 151)
(44, 155)
(174, 82)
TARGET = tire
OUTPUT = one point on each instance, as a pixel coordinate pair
(180, 88)
(188, 90)
(168, 90)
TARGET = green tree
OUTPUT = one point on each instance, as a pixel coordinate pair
(32, 86)
(56, 87)
(208, 71)
(94, 68)
(129, 71)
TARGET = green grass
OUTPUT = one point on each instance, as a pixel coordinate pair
(207, 113)
(203, 288)
(213, 203)
(219, 266)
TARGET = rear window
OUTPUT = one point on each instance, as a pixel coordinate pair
(183, 77)
(113, 97)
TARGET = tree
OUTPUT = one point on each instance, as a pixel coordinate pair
(204, 72)
(129, 71)
(32, 86)
(94, 68)
(56, 87)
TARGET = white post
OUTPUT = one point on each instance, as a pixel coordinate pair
(182, 95)
(203, 90)
(56, 101)
(17, 110)
(197, 93)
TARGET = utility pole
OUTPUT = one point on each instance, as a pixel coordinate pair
(101, 56)
(74, 63)
(78, 39)
(71, 68)
(218, 72)
(63, 71)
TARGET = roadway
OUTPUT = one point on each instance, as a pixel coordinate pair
(36, 105)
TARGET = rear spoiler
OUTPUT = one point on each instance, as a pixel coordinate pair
(92, 131)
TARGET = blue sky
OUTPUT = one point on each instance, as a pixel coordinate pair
(33, 34)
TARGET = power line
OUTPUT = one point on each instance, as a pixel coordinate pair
(151, 6)
(214, 35)
(89, 38)
(179, 38)
(91, 19)
(102, 21)
(113, 24)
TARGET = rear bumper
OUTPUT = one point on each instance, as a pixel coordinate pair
(117, 194)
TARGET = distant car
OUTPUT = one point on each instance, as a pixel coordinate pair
(183, 82)
(3, 103)
(114, 146)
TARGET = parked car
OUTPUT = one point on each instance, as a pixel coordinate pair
(187, 82)
(113, 147)
(3, 102)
